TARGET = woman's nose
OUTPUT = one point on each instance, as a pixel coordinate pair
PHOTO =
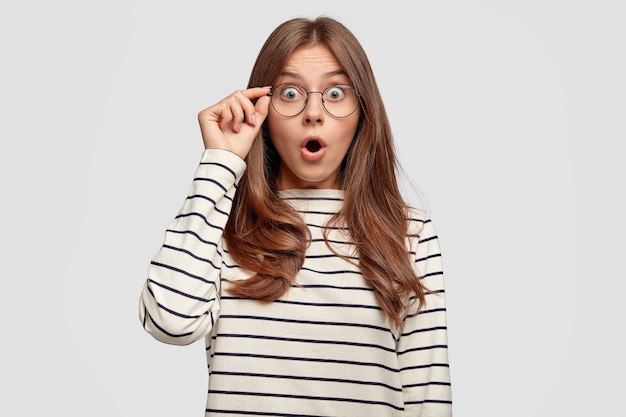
(314, 108)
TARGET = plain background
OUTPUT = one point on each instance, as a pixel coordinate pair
(508, 116)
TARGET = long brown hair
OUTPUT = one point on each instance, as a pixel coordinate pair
(265, 235)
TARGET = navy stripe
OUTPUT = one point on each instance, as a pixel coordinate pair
(338, 242)
(162, 330)
(260, 413)
(417, 349)
(316, 323)
(332, 255)
(211, 180)
(337, 287)
(182, 271)
(302, 303)
(312, 341)
(428, 239)
(317, 226)
(425, 258)
(374, 307)
(309, 378)
(311, 198)
(206, 260)
(314, 212)
(191, 197)
(217, 164)
(162, 307)
(306, 397)
(305, 359)
(426, 365)
(428, 329)
(425, 384)
(431, 274)
(193, 297)
(336, 272)
(197, 236)
(369, 289)
(432, 310)
(429, 401)
(202, 217)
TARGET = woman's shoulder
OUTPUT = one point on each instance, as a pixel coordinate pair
(417, 219)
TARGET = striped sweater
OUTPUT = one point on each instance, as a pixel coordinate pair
(325, 348)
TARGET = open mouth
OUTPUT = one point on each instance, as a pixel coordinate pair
(313, 146)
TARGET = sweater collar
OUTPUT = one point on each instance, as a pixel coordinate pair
(314, 199)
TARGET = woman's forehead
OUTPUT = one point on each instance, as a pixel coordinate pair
(312, 62)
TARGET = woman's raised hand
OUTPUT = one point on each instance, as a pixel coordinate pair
(234, 122)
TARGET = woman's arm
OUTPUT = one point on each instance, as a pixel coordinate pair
(179, 303)
(423, 345)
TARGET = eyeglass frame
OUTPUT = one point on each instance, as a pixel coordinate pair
(306, 100)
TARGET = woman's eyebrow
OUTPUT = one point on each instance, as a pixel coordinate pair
(290, 74)
(335, 72)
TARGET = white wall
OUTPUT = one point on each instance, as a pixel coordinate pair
(509, 116)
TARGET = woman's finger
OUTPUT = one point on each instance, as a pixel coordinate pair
(222, 125)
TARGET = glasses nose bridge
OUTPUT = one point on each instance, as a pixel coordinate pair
(306, 101)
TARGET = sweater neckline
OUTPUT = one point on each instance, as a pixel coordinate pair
(329, 200)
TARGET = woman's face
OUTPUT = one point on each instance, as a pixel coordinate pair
(312, 144)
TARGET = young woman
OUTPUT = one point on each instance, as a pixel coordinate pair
(317, 290)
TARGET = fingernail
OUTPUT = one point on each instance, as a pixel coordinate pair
(238, 128)
(253, 119)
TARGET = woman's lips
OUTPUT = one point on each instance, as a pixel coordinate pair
(312, 148)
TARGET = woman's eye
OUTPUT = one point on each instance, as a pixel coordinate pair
(335, 93)
(290, 93)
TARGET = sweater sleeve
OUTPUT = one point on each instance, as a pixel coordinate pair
(422, 345)
(180, 303)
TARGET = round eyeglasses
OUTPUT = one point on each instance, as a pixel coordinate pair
(290, 100)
